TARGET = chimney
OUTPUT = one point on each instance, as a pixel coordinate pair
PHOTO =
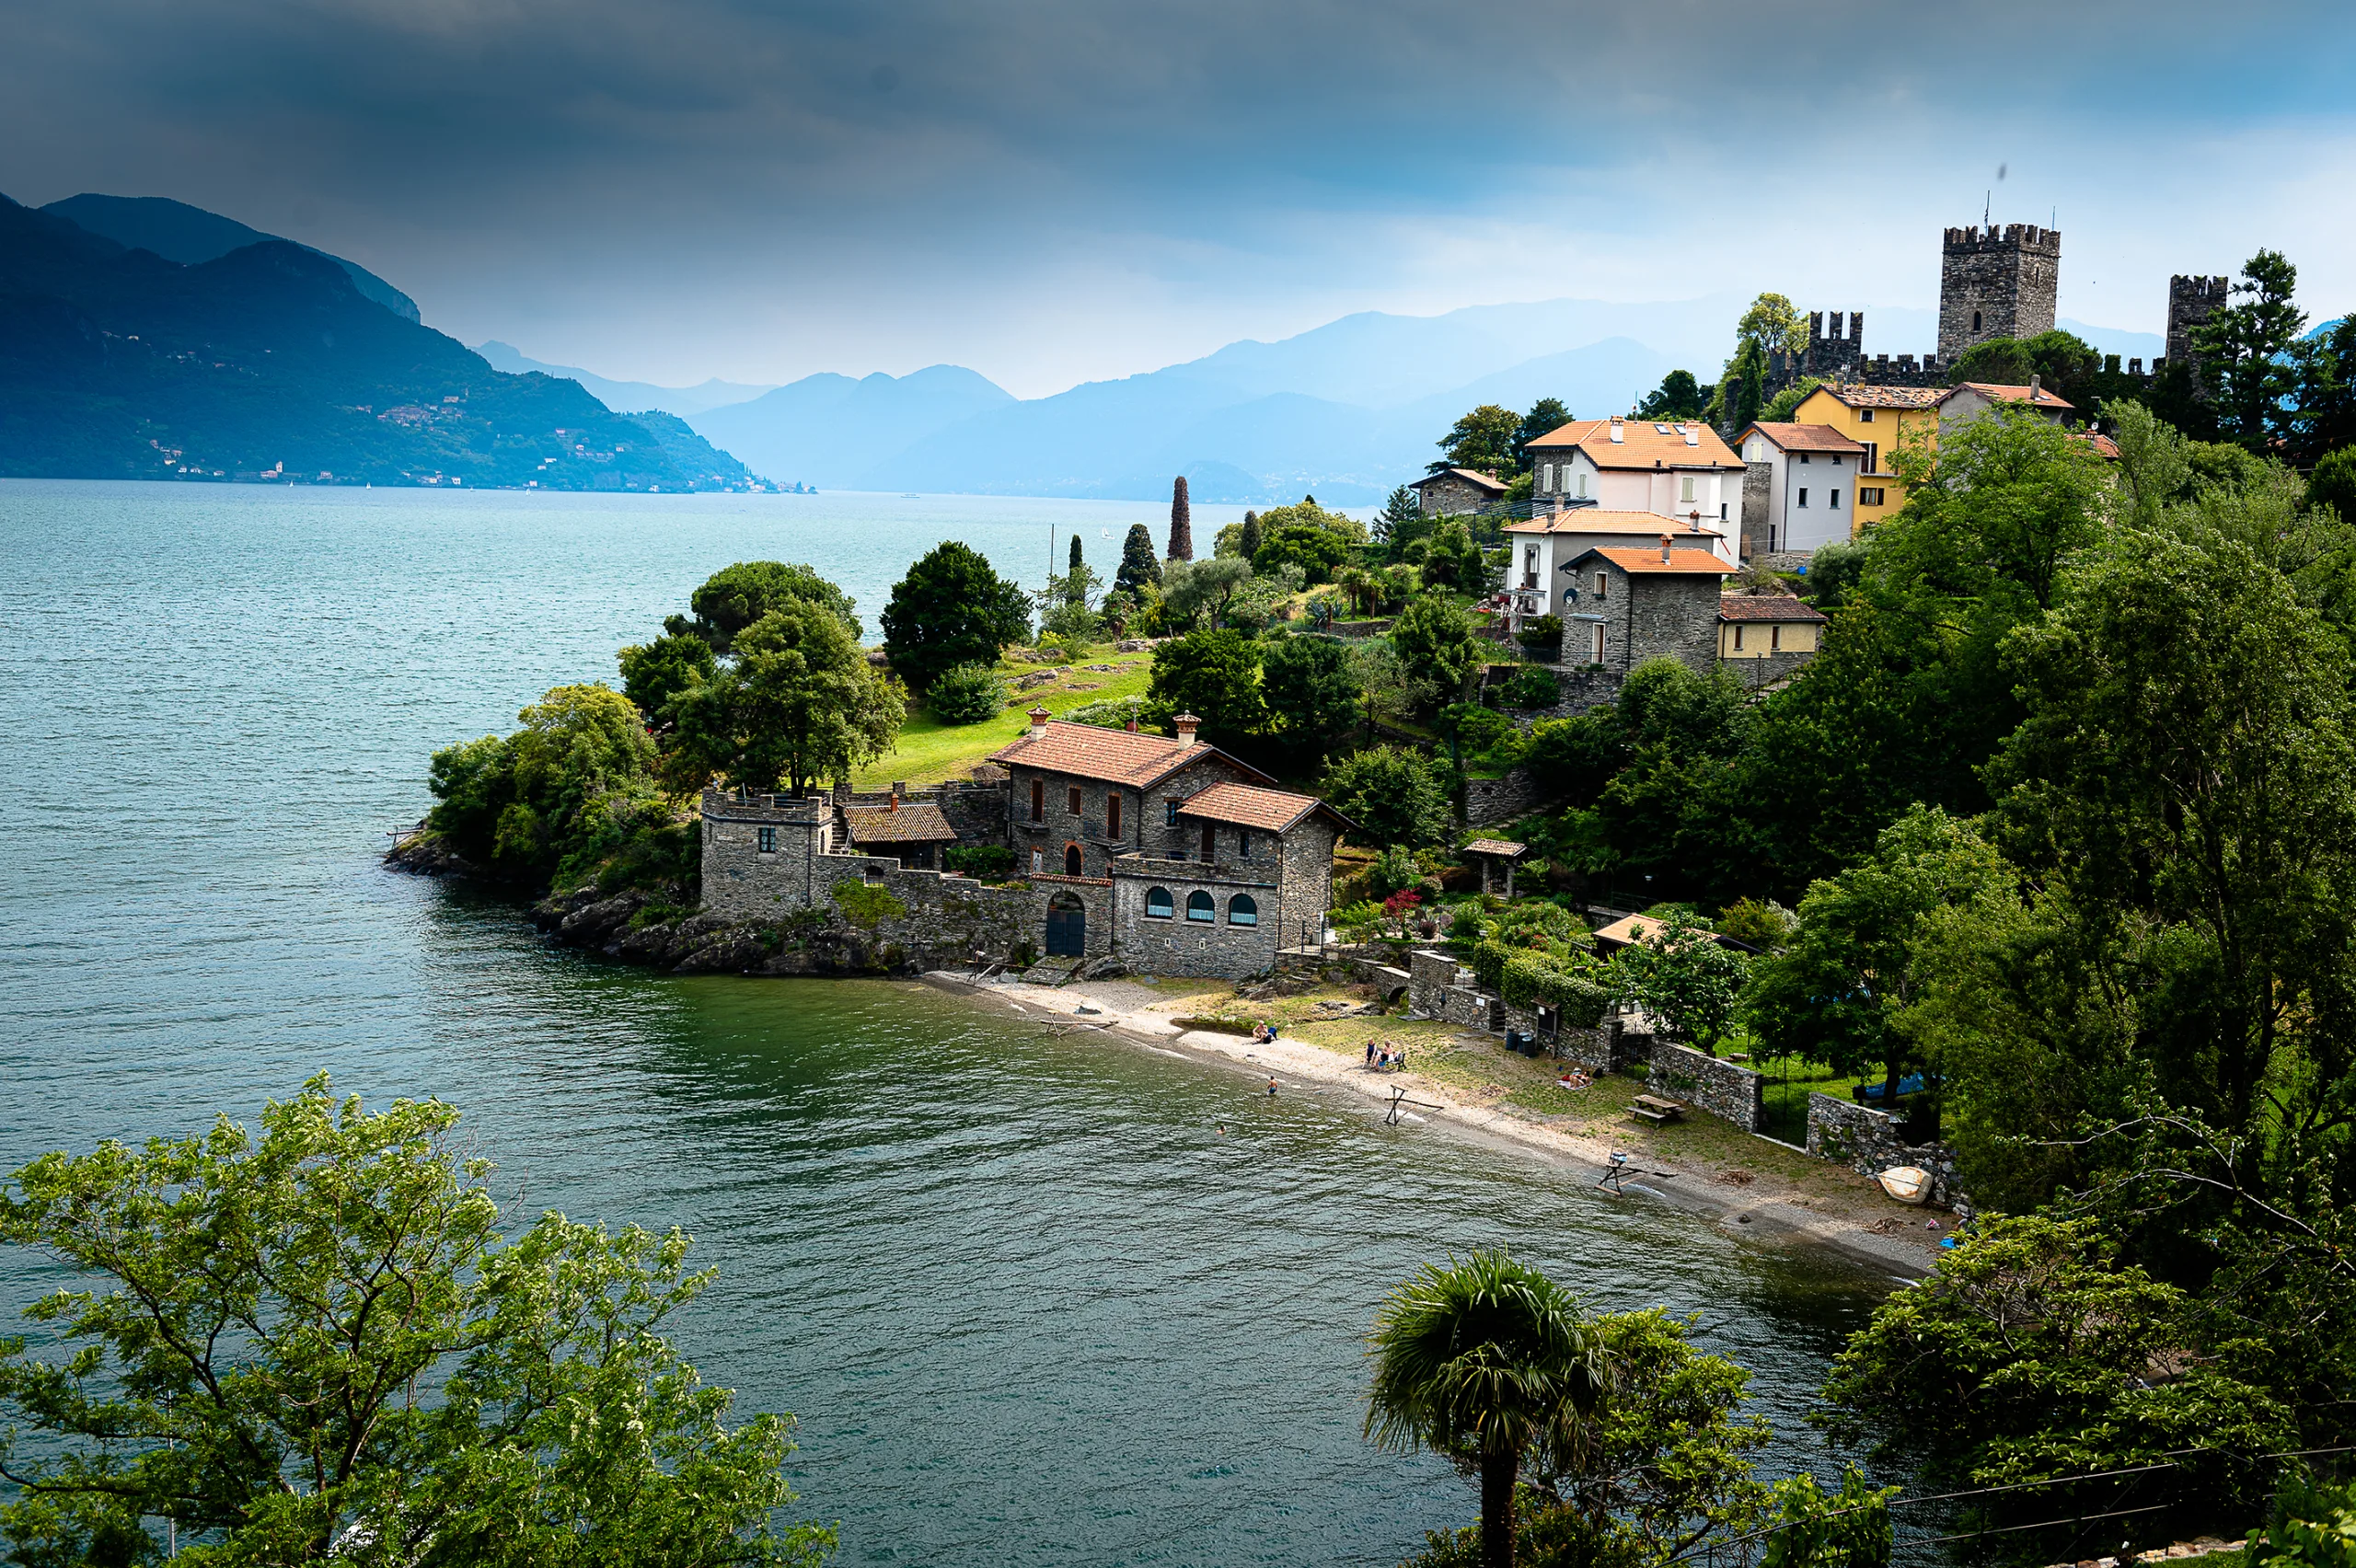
(2032, 390)
(1184, 724)
(1039, 717)
(1132, 725)
(1619, 431)
(895, 804)
(1693, 434)
(1666, 545)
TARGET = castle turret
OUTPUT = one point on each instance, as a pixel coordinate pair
(2190, 303)
(1996, 282)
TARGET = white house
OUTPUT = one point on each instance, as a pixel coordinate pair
(1536, 575)
(1811, 481)
(1677, 470)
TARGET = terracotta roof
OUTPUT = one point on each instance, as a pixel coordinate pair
(1806, 437)
(2100, 442)
(1633, 930)
(1486, 481)
(1275, 810)
(1765, 607)
(1113, 756)
(1996, 392)
(1504, 848)
(914, 823)
(1682, 562)
(1596, 520)
(1645, 444)
(1882, 397)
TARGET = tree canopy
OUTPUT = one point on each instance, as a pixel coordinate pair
(1482, 441)
(1214, 676)
(312, 1343)
(953, 608)
(736, 596)
(798, 704)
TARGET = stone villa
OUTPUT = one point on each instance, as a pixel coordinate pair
(1160, 852)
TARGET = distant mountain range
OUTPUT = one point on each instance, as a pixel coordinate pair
(177, 232)
(268, 362)
(625, 396)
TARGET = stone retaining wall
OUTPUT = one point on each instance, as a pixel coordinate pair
(1488, 802)
(1868, 1141)
(1727, 1091)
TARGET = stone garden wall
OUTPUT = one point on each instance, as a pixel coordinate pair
(1727, 1091)
(1868, 1141)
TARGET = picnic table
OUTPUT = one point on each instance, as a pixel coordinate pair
(1653, 1107)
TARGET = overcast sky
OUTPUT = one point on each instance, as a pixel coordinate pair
(1056, 192)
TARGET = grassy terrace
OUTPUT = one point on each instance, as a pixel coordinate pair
(1479, 1070)
(930, 751)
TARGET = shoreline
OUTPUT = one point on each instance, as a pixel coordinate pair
(1763, 1210)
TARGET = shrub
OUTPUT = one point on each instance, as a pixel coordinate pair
(1541, 635)
(966, 694)
(1528, 980)
(1392, 869)
(984, 862)
(1532, 686)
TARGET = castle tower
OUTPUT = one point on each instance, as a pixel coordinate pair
(1996, 282)
(2191, 300)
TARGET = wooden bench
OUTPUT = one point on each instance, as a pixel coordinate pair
(1652, 1108)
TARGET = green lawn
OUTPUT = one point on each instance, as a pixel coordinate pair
(930, 751)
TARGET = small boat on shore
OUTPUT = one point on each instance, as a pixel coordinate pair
(1906, 1184)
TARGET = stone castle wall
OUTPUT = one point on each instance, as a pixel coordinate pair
(2005, 278)
(2191, 301)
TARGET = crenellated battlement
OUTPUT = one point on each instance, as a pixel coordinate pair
(1974, 240)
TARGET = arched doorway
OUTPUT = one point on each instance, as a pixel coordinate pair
(1067, 927)
(1072, 862)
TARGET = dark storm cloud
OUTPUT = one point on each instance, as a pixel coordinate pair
(703, 142)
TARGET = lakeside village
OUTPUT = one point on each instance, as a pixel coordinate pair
(1920, 790)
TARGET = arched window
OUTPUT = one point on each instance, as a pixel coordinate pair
(1199, 907)
(1072, 859)
(1158, 905)
(1242, 911)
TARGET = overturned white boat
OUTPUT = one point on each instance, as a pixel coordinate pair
(1906, 1184)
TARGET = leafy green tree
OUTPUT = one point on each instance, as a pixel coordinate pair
(1248, 537)
(1679, 396)
(2333, 484)
(1318, 552)
(1671, 810)
(1214, 676)
(951, 608)
(1482, 441)
(1311, 689)
(1533, 685)
(1545, 416)
(1814, 1529)
(1347, 529)
(2249, 354)
(313, 1344)
(1456, 560)
(519, 805)
(1680, 976)
(2028, 1355)
(736, 596)
(2326, 421)
(1195, 590)
(1435, 640)
(656, 672)
(2002, 361)
(1786, 403)
(1839, 994)
(1395, 796)
(1140, 568)
(1768, 927)
(1481, 1362)
(1773, 324)
(799, 704)
(966, 694)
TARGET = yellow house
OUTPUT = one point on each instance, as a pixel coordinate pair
(1877, 419)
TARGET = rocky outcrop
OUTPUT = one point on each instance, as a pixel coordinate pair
(423, 853)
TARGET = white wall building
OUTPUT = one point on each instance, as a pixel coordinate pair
(1676, 470)
(1811, 484)
(1543, 547)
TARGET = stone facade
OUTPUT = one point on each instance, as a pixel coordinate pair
(1758, 488)
(1488, 802)
(1868, 1141)
(1644, 615)
(1042, 826)
(1454, 494)
(2191, 301)
(1756, 673)
(1176, 944)
(1996, 282)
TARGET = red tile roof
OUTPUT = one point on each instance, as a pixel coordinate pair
(1688, 562)
(1486, 481)
(914, 823)
(1111, 757)
(1643, 444)
(1806, 437)
(1996, 392)
(1501, 846)
(1765, 607)
(1858, 396)
(1275, 810)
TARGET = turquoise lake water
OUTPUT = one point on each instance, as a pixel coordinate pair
(1031, 1303)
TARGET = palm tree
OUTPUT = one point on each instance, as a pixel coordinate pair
(1482, 1361)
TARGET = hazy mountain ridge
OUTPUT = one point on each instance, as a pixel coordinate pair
(268, 363)
(626, 396)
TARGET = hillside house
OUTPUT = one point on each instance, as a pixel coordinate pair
(1454, 493)
(1877, 419)
(1254, 871)
(1802, 488)
(1966, 400)
(1765, 637)
(1623, 605)
(1537, 579)
(1679, 470)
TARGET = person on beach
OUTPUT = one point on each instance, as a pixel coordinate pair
(1264, 1036)
(1271, 1086)
(1369, 1053)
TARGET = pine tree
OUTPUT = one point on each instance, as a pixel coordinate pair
(1248, 545)
(1182, 522)
(1139, 566)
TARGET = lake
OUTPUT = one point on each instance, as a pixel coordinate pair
(1036, 1299)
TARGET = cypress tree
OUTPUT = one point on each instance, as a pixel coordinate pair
(1250, 541)
(1182, 522)
(1139, 566)
(1075, 551)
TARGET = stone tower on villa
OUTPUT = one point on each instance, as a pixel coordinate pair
(1996, 282)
